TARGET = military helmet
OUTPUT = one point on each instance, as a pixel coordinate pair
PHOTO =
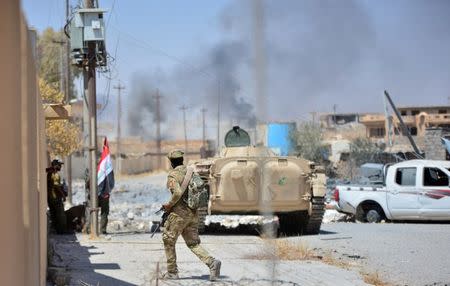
(56, 162)
(174, 154)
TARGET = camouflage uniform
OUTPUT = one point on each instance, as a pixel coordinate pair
(55, 198)
(182, 220)
(103, 203)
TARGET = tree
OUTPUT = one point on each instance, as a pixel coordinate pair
(362, 150)
(49, 57)
(63, 137)
(308, 140)
(49, 92)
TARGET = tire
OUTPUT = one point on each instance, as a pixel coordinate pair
(360, 215)
(370, 211)
(202, 213)
(373, 215)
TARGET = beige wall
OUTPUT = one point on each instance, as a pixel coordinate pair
(22, 168)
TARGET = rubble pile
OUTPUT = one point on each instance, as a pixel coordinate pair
(335, 216)
(234, 221)
(135, 200)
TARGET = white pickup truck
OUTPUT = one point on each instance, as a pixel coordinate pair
(413, 190)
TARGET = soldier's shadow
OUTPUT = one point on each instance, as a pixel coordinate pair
(203, 277)
(75, 261)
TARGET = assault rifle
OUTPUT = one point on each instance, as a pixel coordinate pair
(162, 221)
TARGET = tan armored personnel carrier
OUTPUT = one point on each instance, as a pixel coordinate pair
(245, 179)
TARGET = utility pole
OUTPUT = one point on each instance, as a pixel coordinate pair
(67, 93)
(119, 88)
(183, 108)
(218, 115)
(158, 127)
(90, 90)
(334, 114)
(314, 114)
(204, 127)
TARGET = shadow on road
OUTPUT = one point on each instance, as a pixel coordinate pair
(326, 232)
(217, 229)
(72, 263)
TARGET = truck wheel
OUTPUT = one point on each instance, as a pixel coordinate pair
(373, 216)
(370, 211)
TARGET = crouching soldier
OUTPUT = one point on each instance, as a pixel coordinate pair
(56, 197)
(182, 220)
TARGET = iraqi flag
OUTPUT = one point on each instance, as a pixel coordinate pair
(105, 174)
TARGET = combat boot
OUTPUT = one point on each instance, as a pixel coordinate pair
(169, 276)
(214, 270)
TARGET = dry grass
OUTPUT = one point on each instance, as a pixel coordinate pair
(331, 260)
(276, 249)
(374, 279)
(284, 250)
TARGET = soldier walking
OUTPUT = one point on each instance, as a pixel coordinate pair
(56, 197)
(183, 221)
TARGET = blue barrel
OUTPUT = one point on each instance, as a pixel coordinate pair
(279, 139)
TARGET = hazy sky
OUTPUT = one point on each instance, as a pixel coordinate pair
(317, 53)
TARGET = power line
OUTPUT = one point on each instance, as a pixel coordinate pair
(203, 110)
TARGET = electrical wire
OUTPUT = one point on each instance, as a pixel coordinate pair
(110, 13)
(111, 66)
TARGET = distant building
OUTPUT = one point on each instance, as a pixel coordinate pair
(417, 119)
(329, 120)
(427, 124)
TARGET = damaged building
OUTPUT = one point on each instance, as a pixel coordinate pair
(426, 124)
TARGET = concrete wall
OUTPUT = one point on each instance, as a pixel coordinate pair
(131, 165)
(434, 149)
(23, 196)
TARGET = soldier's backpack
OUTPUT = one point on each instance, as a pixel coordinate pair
(196, 194)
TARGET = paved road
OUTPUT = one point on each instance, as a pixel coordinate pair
(404, 253)
(127, 260)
